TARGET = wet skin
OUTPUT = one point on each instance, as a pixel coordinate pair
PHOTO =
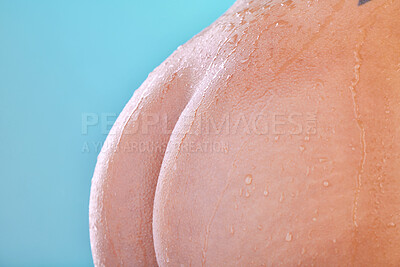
(271, 138)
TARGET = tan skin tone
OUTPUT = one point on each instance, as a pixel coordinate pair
(320, 186)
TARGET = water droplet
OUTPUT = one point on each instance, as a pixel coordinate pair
(287, 3)
(334, 240)
(307, 138)
(281, 23)
(282, 197)
(259, 227)
(234, 39)
(166, 255)
(232, 230)
(391, 225)
(289, 237)
(323, 160)
(247, 193)
(266, 193)
(302, 148)
(326, 183)
(303, 251)
(248, 179)
(308, 171)
(314, 219)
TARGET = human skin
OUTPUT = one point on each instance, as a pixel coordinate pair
(307, 171)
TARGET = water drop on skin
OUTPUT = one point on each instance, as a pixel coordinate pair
(247, 193)
(326, 183)
(281, 23)
(282, 198)
(166, 255)
(232, 230)
(266, 193)
(234, 39)
(288, 3)
(289, 237)
(391, 225)
(248, 180)
(301, 148)
(322, 160)
(308, 171)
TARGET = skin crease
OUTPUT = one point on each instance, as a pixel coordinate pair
(307, 170)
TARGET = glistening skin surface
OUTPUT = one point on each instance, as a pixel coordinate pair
(320, 185)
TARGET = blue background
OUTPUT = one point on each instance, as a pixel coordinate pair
(60, 60)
